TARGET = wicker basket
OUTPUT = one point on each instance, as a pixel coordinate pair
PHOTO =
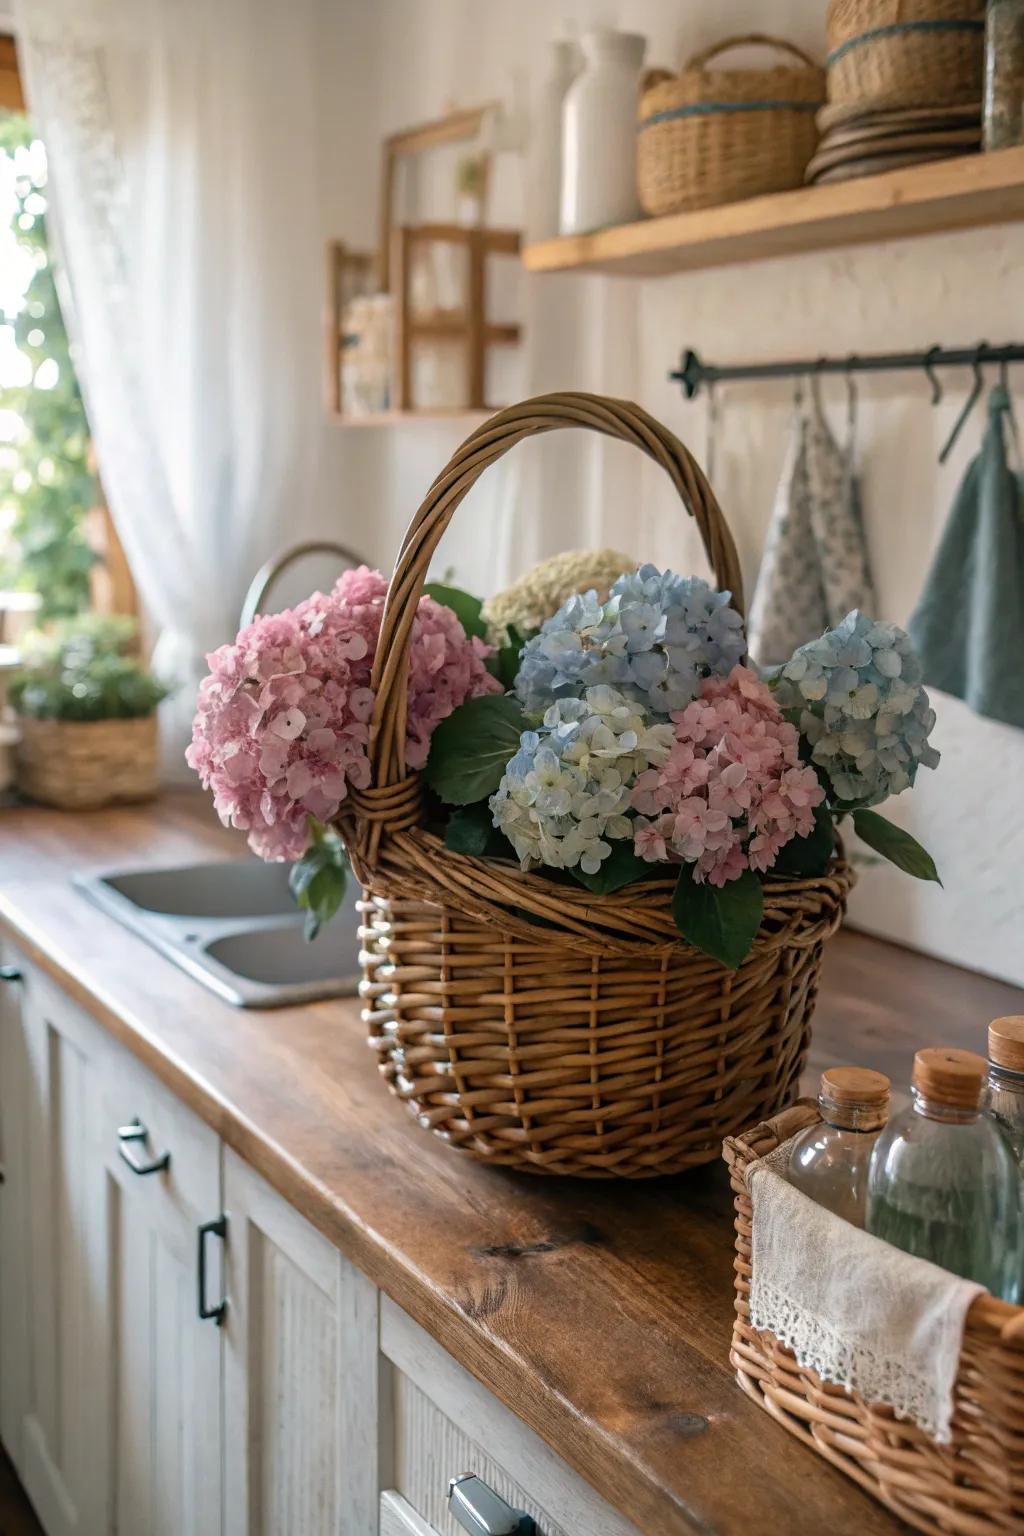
(715, 136)
(538, 1025)
(972, 1487)
(80, 765)
(905, 53)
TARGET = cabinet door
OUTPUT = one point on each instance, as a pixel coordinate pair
(300, 1374)
(164, 1360)
(52, 1283)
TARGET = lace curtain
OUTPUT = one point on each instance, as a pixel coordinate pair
(183, 217)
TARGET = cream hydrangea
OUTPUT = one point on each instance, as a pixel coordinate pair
(543, 590)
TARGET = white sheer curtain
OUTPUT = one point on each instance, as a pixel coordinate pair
(181, 141)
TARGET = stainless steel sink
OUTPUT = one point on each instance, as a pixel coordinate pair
(234, 927)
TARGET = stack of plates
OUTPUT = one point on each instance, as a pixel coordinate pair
(861, 141)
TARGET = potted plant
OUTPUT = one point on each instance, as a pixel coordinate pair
(86, 710)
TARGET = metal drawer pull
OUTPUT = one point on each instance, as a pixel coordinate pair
(215, 1313)
(479, 1510)
(128, 1135)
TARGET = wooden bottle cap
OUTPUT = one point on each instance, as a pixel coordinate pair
(949, 1076)
(1006, 1042)
(855, 1085)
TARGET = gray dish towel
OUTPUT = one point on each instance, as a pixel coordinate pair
(815, 567)
(968, 626)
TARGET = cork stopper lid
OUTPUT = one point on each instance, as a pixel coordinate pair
(859, 1095)
(1006, 1042)
(949, 1076)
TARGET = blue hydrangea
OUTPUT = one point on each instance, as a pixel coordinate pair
(862, 708)
(566, 793)
(654, 640)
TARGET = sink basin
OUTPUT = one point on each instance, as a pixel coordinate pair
(235, 928)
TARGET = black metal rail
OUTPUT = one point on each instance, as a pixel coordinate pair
(693, 373)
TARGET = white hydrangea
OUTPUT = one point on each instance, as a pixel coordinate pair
(566, 793)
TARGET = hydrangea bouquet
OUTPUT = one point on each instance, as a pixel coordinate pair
(624, 740)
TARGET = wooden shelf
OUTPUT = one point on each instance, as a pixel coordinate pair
(459, 415)
(947, 194)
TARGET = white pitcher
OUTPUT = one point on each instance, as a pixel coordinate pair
(599, 124)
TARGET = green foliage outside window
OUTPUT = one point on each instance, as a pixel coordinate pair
(45, 480)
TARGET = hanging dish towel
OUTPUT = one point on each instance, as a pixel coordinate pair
(850, 1306)
(815, 567)
(968, 626)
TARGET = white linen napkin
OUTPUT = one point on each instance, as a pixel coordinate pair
(853, 1308)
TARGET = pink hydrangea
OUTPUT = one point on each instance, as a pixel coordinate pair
(283, 718)
(732, 791)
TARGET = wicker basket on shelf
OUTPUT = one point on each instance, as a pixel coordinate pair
(710, 136)
(80, 765)
(971, 1487)
(540, 1026)
(905, 53)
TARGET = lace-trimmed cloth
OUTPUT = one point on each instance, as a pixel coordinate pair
(851, 1307)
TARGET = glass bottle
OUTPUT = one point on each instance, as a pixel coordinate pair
(1005, 1097)
(943, 1182)
(829, 1161)
(1003, 110)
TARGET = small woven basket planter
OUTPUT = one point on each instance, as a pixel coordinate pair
(81, 765)
(971, 1487)
(537, 1025)
(716, 136)
(905, 53)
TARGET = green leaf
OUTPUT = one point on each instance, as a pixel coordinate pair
(722, 922)
(466, 607)
(319, 879)
(895, 845)
(503, 663)
(621, 867)
(808, 856)
(470, 830)
(469, 750)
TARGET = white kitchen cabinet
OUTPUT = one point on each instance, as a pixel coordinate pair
(52, 1285)
(313, 1407)
(300, 1373)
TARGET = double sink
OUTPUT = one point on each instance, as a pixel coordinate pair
(235, 928)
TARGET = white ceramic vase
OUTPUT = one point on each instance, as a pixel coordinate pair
(544, 152)
(599, 123)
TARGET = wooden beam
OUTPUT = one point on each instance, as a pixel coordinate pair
(12, 96)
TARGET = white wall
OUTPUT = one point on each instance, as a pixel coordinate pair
(395, 62)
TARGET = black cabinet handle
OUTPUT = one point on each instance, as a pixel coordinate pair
(134, 1132)
(215, 1313)
(9, 973)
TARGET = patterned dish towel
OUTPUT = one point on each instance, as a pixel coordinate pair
(815, 567)
(852, 1307)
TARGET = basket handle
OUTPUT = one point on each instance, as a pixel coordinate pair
(698, 60)
(544, 413)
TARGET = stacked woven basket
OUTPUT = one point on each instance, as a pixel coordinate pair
(904, 85)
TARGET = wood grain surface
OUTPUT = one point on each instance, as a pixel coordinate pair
(600, 1313)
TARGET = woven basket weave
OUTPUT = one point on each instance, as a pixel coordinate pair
(535, 1024)
(972, 1487)
(905, 53)
(80, 765)
(715, 136)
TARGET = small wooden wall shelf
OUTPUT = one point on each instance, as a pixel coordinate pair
(921, 200)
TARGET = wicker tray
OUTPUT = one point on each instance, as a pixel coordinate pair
(715, 136)
(905, 53)
(972, 1487)
(538, 1025)
(80, 765)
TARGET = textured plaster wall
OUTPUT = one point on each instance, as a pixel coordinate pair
(398, 61)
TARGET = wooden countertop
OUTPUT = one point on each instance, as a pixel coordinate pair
(600, 1313)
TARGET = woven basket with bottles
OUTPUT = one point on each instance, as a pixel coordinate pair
(905, 53)
(974, 1486)
(710, 136)
(539, 1025)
